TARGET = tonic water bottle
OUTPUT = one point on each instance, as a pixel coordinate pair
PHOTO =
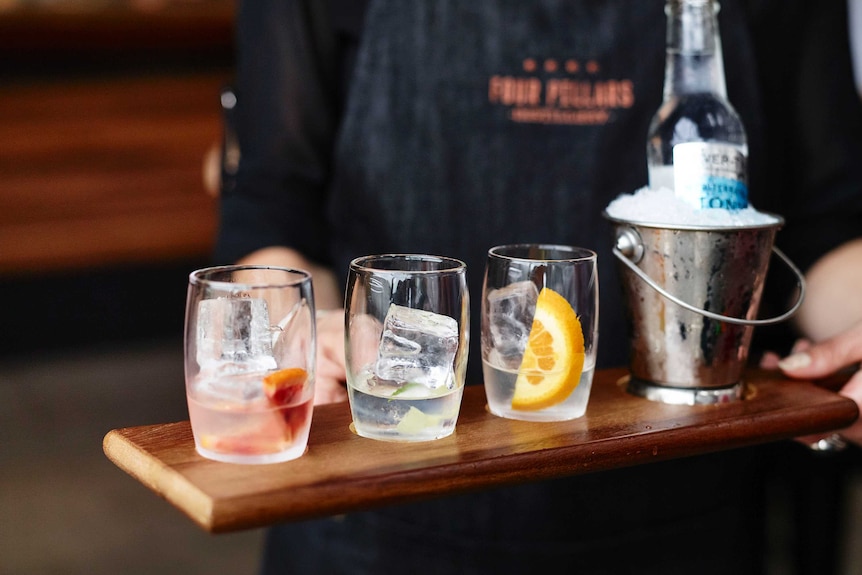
(696, 144)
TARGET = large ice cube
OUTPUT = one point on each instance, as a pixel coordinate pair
(234, 335)
(417, 346)
(510, 317)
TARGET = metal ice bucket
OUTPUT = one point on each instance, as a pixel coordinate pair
(692, 294)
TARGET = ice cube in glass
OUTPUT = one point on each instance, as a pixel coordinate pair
(510, 316)
(234, 335)
(417, 346)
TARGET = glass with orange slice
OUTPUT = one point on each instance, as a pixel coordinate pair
(249, 362)
(539, 330)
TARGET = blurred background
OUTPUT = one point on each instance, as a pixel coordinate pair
(110, 130)
(109, 111)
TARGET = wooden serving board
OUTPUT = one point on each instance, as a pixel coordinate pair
(343, 472)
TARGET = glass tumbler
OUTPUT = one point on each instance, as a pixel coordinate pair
(406, 327)
(539, 330)
(250, 346)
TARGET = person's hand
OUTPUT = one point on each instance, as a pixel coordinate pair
(825, 358)
(329, 386)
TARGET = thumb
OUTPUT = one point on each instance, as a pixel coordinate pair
(826, 357)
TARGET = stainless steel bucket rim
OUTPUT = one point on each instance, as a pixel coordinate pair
(779, 221)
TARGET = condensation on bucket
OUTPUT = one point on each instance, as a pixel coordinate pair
(716, 262)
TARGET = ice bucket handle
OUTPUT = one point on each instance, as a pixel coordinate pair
(629, 250)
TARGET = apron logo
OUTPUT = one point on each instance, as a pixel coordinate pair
(535, 98)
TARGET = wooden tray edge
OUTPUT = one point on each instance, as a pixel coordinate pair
(159, 477)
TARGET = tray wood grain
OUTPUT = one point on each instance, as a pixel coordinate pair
(343, 472)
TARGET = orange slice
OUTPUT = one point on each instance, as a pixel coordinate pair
(284, 385)
(551, 367)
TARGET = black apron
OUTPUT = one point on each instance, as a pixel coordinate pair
(473, 124)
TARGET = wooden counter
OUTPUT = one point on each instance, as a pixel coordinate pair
(343, 472)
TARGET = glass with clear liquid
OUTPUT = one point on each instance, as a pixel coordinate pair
(407, 326)
(539, 331)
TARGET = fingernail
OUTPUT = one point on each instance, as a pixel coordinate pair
(795, 361)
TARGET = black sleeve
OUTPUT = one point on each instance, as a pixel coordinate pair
(286, 87)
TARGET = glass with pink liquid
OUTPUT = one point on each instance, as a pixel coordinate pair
(250, 347)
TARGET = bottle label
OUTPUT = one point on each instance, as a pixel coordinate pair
(708, 175)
